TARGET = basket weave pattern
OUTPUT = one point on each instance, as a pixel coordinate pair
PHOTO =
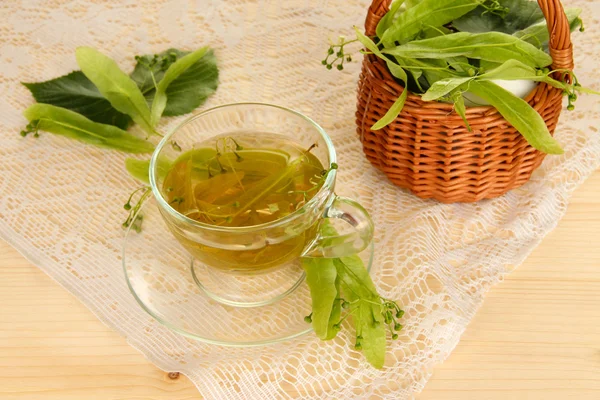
(428, 149)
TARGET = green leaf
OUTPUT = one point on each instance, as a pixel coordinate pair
(491, 46)
(355, 271)
(394, 68)
(321, 277)
(188, 91)
(516, 70)
(77, 93)
(173, 72)
(193, 87)
(122, 92)
(336, 314)
(432, 69)
(70, 124)
(433, 32)
(511, 69)
(392, 113)
(411, 3)
(351, 282)
(369, 322)
(388, 18)
(586, 90)
(485, 65)
(442, 87)
(538, 34)
(150, 68)
(459, 107)
(521, 14)
(139, 169)
(430, 12)
(358, 288)
(519, 114)
(460, 63)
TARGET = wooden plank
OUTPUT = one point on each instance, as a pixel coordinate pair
(537, 335)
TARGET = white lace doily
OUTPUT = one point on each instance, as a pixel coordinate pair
(438, 260)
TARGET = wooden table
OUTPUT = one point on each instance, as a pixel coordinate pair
(536, 337)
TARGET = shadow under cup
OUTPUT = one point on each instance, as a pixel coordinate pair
(256, 265)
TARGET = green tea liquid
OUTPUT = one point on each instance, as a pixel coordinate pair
(230, 183)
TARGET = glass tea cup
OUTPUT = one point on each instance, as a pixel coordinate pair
(257, 264)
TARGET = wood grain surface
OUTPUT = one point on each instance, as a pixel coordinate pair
(537, 335)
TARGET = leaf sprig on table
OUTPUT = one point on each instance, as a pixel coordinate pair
(78, 92)
(99, 103)
(341, 288)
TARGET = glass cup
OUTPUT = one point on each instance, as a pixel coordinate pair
(255, 265)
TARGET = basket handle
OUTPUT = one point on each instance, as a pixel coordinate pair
(377, 10)
(561, 48)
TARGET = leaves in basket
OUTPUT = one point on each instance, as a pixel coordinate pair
(394, 68)
(510, 70)
(397, 71)
(519, 15)
(490, 46)
(388, 19)
(393, 112)
(538, 34)
(70, 124)
(444, 86)
(427, 12)
(440, 48)
(410, 3)
(459, 107)
(432, 69)
(520, 115)
(185, 92)
(77, 93)
(516, 70)
(523, 19)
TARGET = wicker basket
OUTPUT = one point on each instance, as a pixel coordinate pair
(428, 149)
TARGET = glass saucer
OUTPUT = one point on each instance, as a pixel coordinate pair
(201, 303)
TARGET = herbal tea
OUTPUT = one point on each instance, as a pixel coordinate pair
(232, 184)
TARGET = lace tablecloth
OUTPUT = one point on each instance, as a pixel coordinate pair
(61, 202)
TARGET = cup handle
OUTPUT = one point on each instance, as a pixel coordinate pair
(329, 244)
